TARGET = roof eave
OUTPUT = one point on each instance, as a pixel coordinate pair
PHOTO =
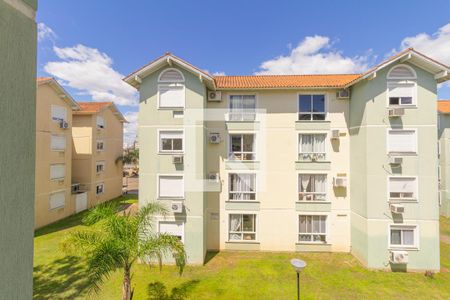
(62, 93)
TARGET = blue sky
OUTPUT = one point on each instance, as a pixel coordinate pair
(89, 45)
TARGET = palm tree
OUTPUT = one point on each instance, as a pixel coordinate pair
(116, 240)
(130, 156)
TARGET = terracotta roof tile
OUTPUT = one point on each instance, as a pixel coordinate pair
(444, 106)
(284, 81)
(93, 107)
(43, 79)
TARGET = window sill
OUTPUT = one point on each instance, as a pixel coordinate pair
(413, 106)
(171, 153)
(313, 202)
(57, 208)
(240, 161)
(313, 161)
(402, 153)
(59, 150)
(170, 199)
(242, 201)
(313, 121)
(176, 108)
(400, 248)
(242, 242)
(403, 201)
(313, 243)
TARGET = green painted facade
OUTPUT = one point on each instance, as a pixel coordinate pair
(17, 152)
(369, 168)
(444, 163)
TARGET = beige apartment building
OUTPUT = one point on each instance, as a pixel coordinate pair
(97, 143)
(54, 106)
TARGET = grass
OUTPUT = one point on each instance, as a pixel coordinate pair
(234, 275)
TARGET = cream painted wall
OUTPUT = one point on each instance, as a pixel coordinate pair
(45, 127)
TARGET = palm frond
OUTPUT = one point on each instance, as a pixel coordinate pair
(81, 241)
(101, 212)
(146, 214)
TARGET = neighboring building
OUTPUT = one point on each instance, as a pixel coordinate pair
(17, 132)
(53, 195)
(295, 162)
(444, 156)
(97, 143)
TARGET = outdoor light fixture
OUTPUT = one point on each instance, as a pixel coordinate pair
(298, 266)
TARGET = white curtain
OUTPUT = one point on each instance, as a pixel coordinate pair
(305, 180)
(319, 183)
(235, 226)
(242, 183)
(319, 143)
(306, 145)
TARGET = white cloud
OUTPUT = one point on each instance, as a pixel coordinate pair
(314, 55)
(436, 46)
(130, 128)
(218, 74)
(45, 32)
(90, 71)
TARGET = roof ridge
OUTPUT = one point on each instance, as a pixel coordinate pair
(290, 75)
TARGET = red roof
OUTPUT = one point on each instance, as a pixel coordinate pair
(43, 79)
(93, 107)
(444, 106)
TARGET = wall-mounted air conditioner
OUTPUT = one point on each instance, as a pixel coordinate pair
(343, 94)
(398, 257)
(395, 160)
(63, 124)
(176, 206)
(213, 177)
(340, 181)
(214, 138)
(335, 134)
(177, 159)
(397, 208)
(214, 96)
(396, 112)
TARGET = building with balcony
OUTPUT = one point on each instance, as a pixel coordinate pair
(341, 163)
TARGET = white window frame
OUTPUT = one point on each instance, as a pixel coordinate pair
(97, 123)
(244, 112)
(312, 94)
(389, 152)
(173, 221)
(326, 154)
(400, 200)
(58, 136)
(327, 178)
(158, 197)
(100, 163)
(159, 142)
(50, 198)
(57, 178)
(392, 83)
(238, 212)
(57, 119)
(327, 228)
(103, 188)
(254, 151)
(256, 186)
(414, 227)
(100, 141)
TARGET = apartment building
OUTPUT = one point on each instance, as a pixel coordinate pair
(295, 162)
(444, 156)
(97, 143)
(53, 197)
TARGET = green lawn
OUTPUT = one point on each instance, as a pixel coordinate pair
(235, 275)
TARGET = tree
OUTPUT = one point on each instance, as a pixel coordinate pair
(117, 240)
(130, 157)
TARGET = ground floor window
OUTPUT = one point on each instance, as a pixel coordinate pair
(57, 200)
(100, 188)
(242, 227)
(312, 228)
(172, 228)
(403, 236)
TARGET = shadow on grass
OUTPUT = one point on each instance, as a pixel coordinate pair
(209, 256)
(63, 278)
(158, 291)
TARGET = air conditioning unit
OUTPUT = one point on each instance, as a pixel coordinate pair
(176, 206)
(396, 112)
(398, 257)
(213, 177)
(214, 96)
(177, 159)
(63, 124)
(75, 188)
(343, 94)
(340, 181)
(395, 160)
(214, 138)
(397, 208)
(335, 134)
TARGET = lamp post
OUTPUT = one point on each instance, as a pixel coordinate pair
(298, 266)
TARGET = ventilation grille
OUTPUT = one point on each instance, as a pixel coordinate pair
(171, 76)
(401, 72)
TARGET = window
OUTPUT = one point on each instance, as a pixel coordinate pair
(402, 141)
(242, 107)
(401, 93)
(100, 122)
(312, 147)
(171, 141)
(170, 186)
(100, 166)
(242, 187)
(312, 187)
(402, 188)
(58, 142)
(99, 188)
(172, 228)
(171, 92)
(403, 236)
(57, 200)
(242, 227)
(57, 171)
(311, 107)
(242, 147)
(100, 145)
(312, 229)
(59, 113)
